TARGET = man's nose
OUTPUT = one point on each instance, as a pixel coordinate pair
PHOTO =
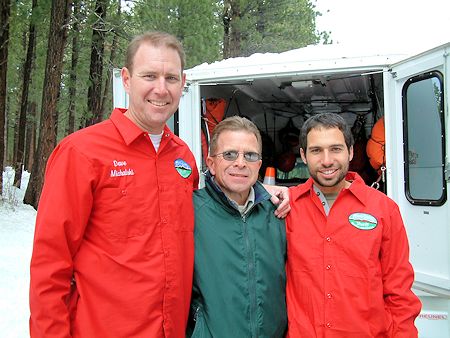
(161, 85)
(240, 160)
(327, 158)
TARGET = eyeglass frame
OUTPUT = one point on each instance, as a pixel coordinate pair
(236, 156)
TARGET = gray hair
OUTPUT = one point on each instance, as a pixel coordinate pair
(234, 123)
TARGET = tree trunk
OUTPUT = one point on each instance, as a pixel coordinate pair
(96, 68)
(112, 58)
(73, 69)
(261, 21)
(27, 69)
(226, 19)
(4, 40)
(47, 136)
(232, 33)
(30, 138)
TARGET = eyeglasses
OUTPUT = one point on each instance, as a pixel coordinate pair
(232, 155)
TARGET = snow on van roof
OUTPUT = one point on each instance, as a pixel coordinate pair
(307, 58)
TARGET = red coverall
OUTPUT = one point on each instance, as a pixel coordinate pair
(113, 247)
(348, 273)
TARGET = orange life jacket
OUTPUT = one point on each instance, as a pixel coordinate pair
(375, 145)
(214, 112)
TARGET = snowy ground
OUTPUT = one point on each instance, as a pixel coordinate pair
(16, 239)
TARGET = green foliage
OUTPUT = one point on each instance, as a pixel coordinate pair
(21, 16)
(195, 23)
(200, 30)
(275, 25)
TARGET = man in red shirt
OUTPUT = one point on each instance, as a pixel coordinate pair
(348, 270)
(113, 248)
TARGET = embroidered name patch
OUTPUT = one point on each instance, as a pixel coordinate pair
(362, 221)
(183, 168)
(121, 169)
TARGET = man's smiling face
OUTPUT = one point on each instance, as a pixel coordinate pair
(235, 177)
(327, 158)
(154, 86)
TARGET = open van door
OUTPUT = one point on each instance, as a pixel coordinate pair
(189, 117)
(417, 158)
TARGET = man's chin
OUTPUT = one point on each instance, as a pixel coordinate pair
(326, 183)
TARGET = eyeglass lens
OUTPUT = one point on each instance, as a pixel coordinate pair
(232, 155)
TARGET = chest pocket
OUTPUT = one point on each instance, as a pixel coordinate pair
(176, 205)
(358, 250)
(124, 212)
(132, 208)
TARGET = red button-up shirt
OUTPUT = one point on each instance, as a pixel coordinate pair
(348, 273)
(115, 218)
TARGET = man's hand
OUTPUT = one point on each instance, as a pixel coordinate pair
(280, 197)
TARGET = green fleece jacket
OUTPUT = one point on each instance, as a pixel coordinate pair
(239, 269)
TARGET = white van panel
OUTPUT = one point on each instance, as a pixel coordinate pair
(120, 97)
(428, 227)
(189, 118)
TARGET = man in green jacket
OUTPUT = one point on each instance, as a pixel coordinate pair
(240, 246)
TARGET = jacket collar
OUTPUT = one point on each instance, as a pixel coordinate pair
(357, 188)
(261, 193)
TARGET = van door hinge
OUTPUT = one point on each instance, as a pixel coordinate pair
(393, 74)
(447, 171)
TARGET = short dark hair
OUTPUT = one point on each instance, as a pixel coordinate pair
(327, 121)
(157, 39)
(234, 123)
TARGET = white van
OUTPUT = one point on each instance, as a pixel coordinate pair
(279, 91)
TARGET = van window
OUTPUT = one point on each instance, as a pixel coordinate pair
(424, 147)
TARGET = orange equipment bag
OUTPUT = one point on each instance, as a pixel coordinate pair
(213, 113)
(375, 145)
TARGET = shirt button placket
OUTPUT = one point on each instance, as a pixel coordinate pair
(328, 295)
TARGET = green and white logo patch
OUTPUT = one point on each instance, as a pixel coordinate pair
(363, 221)
(183, 168)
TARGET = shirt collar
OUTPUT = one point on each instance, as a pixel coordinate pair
(248, 203)
(357, 188)
(128, 129)
(257, 193)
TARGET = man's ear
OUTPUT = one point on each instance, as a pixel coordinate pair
(125, 73)
(183, 79)
(302, 154)
(210, 164)
(260, 164)
(350, 152)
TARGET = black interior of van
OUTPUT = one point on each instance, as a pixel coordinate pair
(279, 105)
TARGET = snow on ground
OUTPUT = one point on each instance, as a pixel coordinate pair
(16, 240)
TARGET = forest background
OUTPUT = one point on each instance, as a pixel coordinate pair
(57, 57)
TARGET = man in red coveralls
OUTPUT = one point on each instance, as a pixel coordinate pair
(348, 270)
(113, 247)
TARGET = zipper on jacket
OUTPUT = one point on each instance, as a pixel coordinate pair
(195, 317)
(252, 278)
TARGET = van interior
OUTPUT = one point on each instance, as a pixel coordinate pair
(279, 105)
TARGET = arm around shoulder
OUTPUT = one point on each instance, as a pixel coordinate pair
(280, 198)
